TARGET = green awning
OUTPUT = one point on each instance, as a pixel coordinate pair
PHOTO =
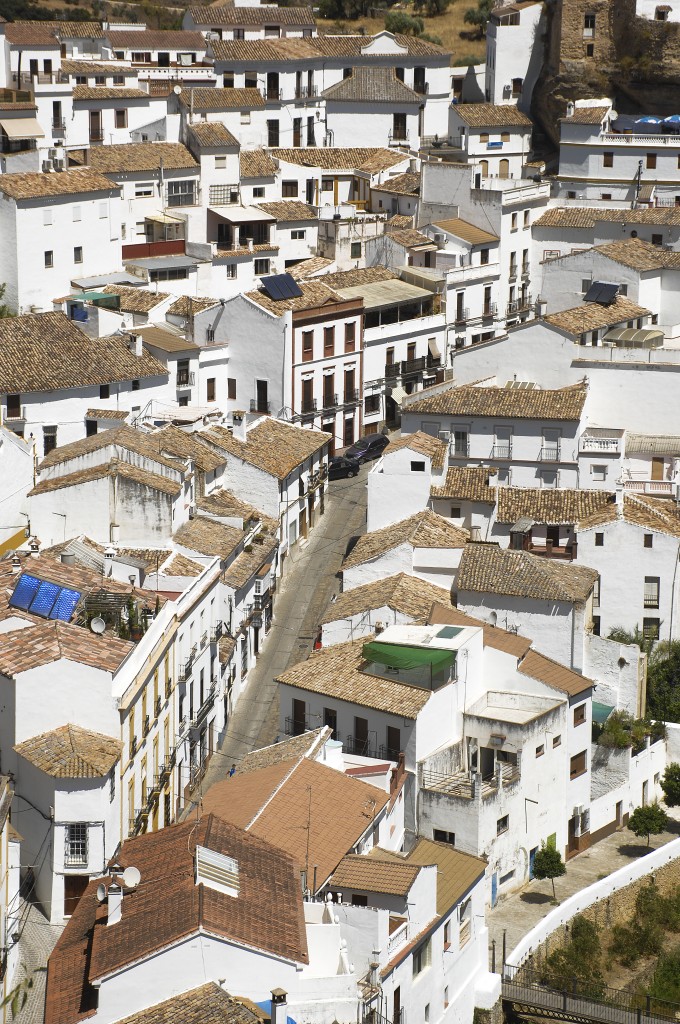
(402, 656)
(601, 712)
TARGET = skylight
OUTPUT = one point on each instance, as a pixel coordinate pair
(43, 598)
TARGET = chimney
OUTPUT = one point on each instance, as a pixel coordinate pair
(279, 1010)
(115, 904)
(109, 556)
(34, 547)
(238, 419)
(475, 534)
(68, 558)
(136, 345)
(16, 565)
(619, 492)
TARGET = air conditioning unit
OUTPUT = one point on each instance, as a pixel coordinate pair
(444, 435)
(438, 238)
(192, 511)
(52, 154)
(59, 165)
(46, 166)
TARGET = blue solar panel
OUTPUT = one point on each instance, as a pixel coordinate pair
(281, 286)
(43, 602)
(65, 604)
(24, 592)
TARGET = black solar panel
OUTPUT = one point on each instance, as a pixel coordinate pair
(602, 293)
(281, 286)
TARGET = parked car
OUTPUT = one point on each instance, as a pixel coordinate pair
(340, 467)
(367, 448)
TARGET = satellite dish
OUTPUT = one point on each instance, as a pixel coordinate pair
(97, 625)
(131, 877)
(101, 892)
(177, 89)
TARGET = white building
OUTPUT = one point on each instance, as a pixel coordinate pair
(251, 22)
(497, 138)
(514, 53)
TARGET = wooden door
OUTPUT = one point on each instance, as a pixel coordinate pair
(657, 468)
(74, 887)
(299, 717)
(396, 1008)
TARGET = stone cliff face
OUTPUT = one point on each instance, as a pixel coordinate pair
(633, 60)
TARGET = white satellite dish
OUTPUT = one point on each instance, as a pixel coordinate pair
(97, 625)
(101, 892)
(177, 89)
(131, 877)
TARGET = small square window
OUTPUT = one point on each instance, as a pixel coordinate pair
(258, 192)
(78, 254)
(245, 117)
(261, 267)
(649, 540)
(220, 163)
(607, 159)
(590, 50)
(598, 471)
(579, 714)
(455, 512)
(599, 540)
(540, 750)
(557, 740)
(355, 251)
(657, 239)
(417, 467)
(502, 825)
(135, 385)
(578, 764)
(49, 258)
(441, 836)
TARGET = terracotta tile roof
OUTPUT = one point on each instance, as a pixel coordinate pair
(486, 568)
(140, 156)
(590, 316)
(371, 85)
(537, 666)
(315, 292)
(350, 46)
(473, 484)
(156, 39)
(166, 339)
(209, 1004)
(411, 239)
(122, 437)
(495, 637)
(208, 537)
(588, 216)
(79, 577)
(533, 404)
(46, 351)
(91, 68)
(225, 504)
(182, 445)
(226, 254)
(18, 106)
(71, 753)
(186, 305)
(335, 672)
(436, 449)
(206, 99)
(24, 649)
(247, 563)
(289, 210)
(405, 184)
(587, 115)
(332, 158)
(308, 744)
(552, 506)
(399, 221)
(274, 447)
(423, 530)
(25, 185)
(115, 469)
(135, 300)
(30, 33)
(168, 906)
(180, 565)
(456, 872)
(263, 50)
(247, 16)
(274, 802)
(373, 874)
(464, 229)
(69, 29)
(402, 593)
(149, 557)
(107, 414)
(653, 514)
(635, 253)
(212, 133)
(226, 647)
(310, 267)
(361, 276)
(491, 115)
(256, 163)
(108, 92)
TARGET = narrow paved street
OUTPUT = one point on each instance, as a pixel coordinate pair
(309, 582)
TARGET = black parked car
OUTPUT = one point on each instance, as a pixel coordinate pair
(367, 448)
(340, 467)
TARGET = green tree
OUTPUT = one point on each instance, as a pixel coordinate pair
(648, 821)
(479, 15)
(579, 960)
(430, 8)
(548, 864)
(403, 24)
(670, 784)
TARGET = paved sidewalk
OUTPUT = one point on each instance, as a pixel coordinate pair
(519, 912)
(37, 940)
(309, 582)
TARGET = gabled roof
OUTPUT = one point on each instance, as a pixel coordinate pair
(212, 133)
(25, 649)
(371, 85)
(475, 483)
(590, 316)
(492, 115)
(208, 537)
(209, 1004)
(405, 184)
(70, 752)
(155, 39)
(247, 563)
(256, 163)
(531, 404)
(26, 185)
(135, 300)
(64, 29)
(294, 48)
(456, 872)
(288, 803)
(168, 907)
(423, 530)
(182, 445)
(335, 672)
(180, 565)
(392, 877)
(336, 158)
(402, 593)
(433, 447)
(470, 233)
(587, 115)
(123, 437)
(559, 677)
(588, 216)
(140, 156)
(636, 254)
(308, 744)
(495, 637)
(289, 210)
(223, 99)
(247, 16)
(486, 568)
(272, 446)
(115, 469)
(109, 92)
(553, 506)
(225, 504)
(46, 351)
(658, 515)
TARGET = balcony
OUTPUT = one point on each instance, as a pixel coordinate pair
(412, 366)
(466, 785)
(386, 753)
(361, 747)
(520, 305)
(565, 552)
(259, 406)
(398, 935)
(489, 310)
(75, 854)
(146, 726)
(392, 370)
(351, 397)
(659, 488)
(296, 726)
(133, 747)
(306, 92)
(205, 707)
(96, 134)
(138, 821)
(595, 443)
(216, 632)
(158, 704)
(308, 406)
(272, 95)
(186, 378)
(224, 195)
(460, 450)
(168, 688)
(502, 450)
(58, 124)
(185, 670)
(549, 453)
(462, 315)
(398, 138)
(443, 142)
(330, 401)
